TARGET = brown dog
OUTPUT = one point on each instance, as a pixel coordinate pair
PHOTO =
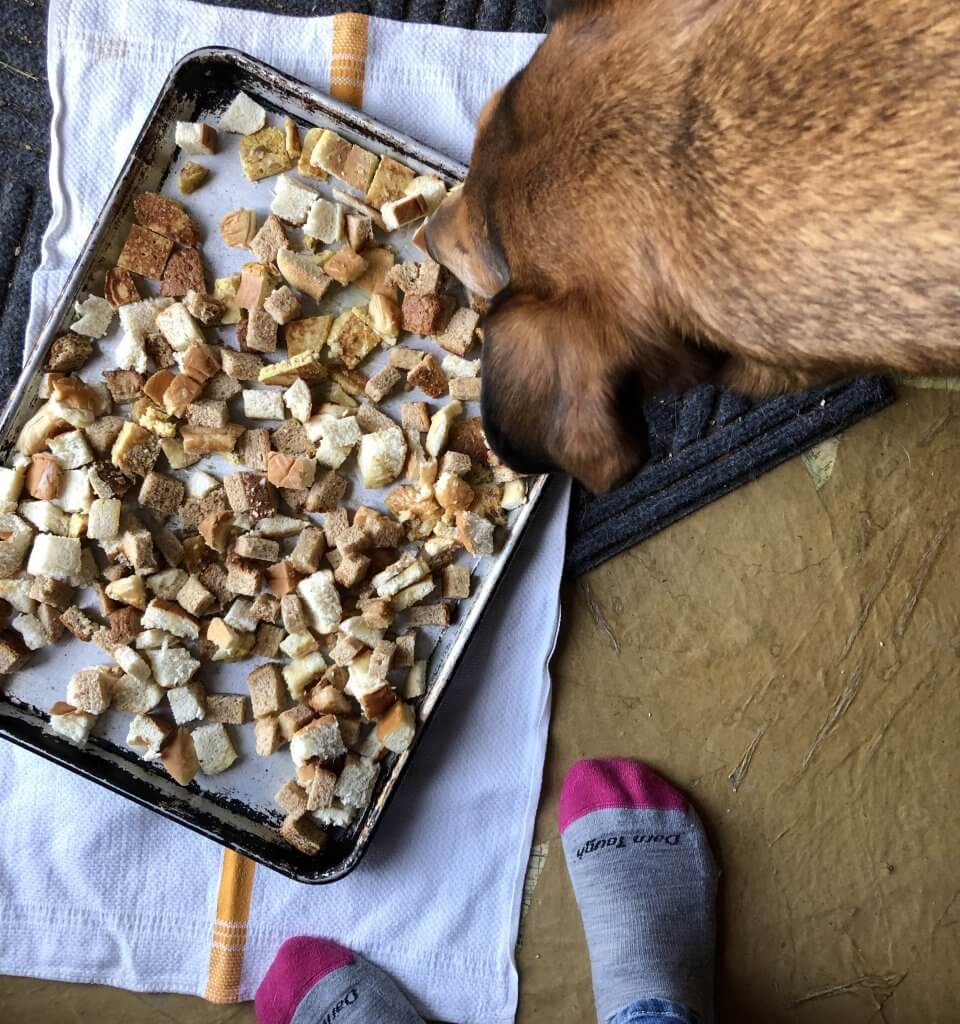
(763, 194)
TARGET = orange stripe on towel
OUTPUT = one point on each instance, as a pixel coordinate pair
(230, 928)
(349, 64)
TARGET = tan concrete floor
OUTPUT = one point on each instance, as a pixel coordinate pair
(789, 657)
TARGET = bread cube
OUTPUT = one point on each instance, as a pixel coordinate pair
(319, 594)
(172, 666)
(228, 708)
(304, 834)
(215, 750)
(292, 200)
(263, 405)
(357, 780)
(164, 614)
(397, 727)
(135, 696)
(58, 557)
(188, 703)
(325, 221)
(267, 735)
(389, 182)
(299, 674)
(31, 631)
(320, 739)
(243, 116)
(179, 757)
(149, 733)
(196, 138)
(178, 327)
(71, 724)
(415, 685)
(381, 457)
(307, 335)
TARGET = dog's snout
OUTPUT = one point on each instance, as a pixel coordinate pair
(511, 453)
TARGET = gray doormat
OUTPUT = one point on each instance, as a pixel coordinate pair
(704, 443)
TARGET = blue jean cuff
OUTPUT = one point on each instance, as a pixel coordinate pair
(655, 1011)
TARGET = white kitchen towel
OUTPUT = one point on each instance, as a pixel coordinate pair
(96, 889)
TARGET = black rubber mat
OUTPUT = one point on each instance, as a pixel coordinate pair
(705, 443)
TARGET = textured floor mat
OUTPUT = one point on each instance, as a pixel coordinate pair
(704, 443)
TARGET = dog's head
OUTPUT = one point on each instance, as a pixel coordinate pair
(573, 341)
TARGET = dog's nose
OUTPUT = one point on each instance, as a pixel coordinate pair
(511, 454)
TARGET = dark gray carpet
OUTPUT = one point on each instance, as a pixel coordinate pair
(705, 443)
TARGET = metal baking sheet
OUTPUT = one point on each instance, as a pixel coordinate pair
(234, 808)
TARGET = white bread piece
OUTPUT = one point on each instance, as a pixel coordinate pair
(322, 600)
(58, 557)
(148, 734)
(241, 617)
(430, 189)
(382, 456)
(320, 739)
(301, 672)
(69, 414)
(404, 210)
(476, 533)
(331, 456)
(172, 666)
(304, 271)
(340, 431)
(128, 590)
(335, 816)
(298, 400)
(16, 593)
(404, 572)
(299, 645)
(31, 629)
(225, 289)
(167, 583)
(267, 735)
(91, 689)
(215, 750)
(359, 680)
(131, 662)
(196, 138)
(73, 726)
(75, 492)
(397, 727)
(371, 747)
(200, 483)
(173, 620)
(356, 627)
(135, 696)
(326, 221)
(415, 685)
(292, 200)
(18, 538)
(440, 423)
(409, 596)
(178, 327)
(139, 319)
(95, 315)
(154, 639)
(11, 484)
(130, 354)
(176, 456)
(279, 526)
(243, 116)
(104, 520)
(456, 366)
(46, 517)
(355, 786)
(514, 495)
(88, 572)
(188, 703)
(263, 405)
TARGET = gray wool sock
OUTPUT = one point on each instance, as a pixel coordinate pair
(645, 883)
(315, 981)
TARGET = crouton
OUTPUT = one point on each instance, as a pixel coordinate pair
(282, 578)
(422, 314)
(261, 331)
(179, 757)
(292, 439)
(259, 548)
(310, 547)
(320, 739)
(214, 748)
(145, 253)
(227, 708)
(243, 116)
(149, 733)
(381, 457)
(303, 834)
(286, 471)
(327, 492)
(269, 240)
(282, 305)
(307, 335)
(325, 222)
(305, 272)
(58, 557)
(132, 695)
(429, 377)
(164, 614)
(397, 727)
(71, 724)
(206, 440)
(162, 493)
(182, 274)
(69, 352)
(267, 735)
(319, 594)
(292, 200)
(351, 338)
(359, 231)
(389, 182)
(465, 389)
(120, 288)
(264, 153)
(356, 782)
(381, 384)
(95, 316)
(399, 212)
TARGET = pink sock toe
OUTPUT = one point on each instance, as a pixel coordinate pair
(300, 963)
(616, 782)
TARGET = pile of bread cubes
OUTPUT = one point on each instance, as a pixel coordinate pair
(111, 531)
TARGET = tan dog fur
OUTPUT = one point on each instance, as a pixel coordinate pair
(759, 193)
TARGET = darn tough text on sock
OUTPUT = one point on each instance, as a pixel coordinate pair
(622, 842)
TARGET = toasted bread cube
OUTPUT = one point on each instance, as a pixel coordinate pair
(58, 557)
(31, 631)
(455, 366)
(178, 327)
(327, 492)
(145, 252)
(241, 365)
(206, 440)
(430, 615)
(129, 590)
(182, 391)
(458, 335)
(44, 478)
(71, 724)
(305, 272)
(78, 624)
(292, 200)
(215, 750)
(423, 314)
(261, 331)
(389, 182)
(282, 578)
(345, 266)
(282, 305)
(225, 291)
(351, 338)
(308, 335)
(221, 388)
(440, 425)
(357, 780)
(294, 473)
(120, 288)
(359, 231)
(465, 389)
(381, 384)
(132, 695)
(228, 708)
(258, 548)
(325, 221)
(243, 116)
(149, 733)
(310, 547)
(266, 690)
(269, 240)
(292, 720)
(162, 493)
(18, 593)
(131, 662)
(397, 727)
(172, 666)
(75, 494)
(188, 703)
(306, 365)
(266, 608)
(196, 138)
(255, 448)
(402, 211)
(125, 385)
(386, 318)
(264, 154)
(429, 377)
(456, 581)
(291, 798)
(304, 834)
(302, 672)
(331, 153)
(415, 685)
(381, 659)
(195, 598)
(320, 739)
(231, 643)
(359, 167)
(179, 757)
(167, 217)
(267, 735)
(267, 643)
(184, 273)
(164, 614)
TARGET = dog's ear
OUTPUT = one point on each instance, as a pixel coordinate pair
(558, 392)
